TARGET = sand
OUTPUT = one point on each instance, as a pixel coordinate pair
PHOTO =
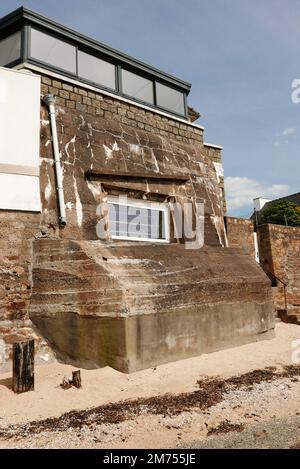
(279, 399)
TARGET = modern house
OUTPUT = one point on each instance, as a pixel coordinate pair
(260, 203)
(112, 237)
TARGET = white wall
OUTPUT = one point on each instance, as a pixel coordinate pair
(19, 140)
(259, 203)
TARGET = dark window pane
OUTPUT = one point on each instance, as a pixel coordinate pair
(169, 98)
(96, 70)
(137, 87)
(10, 48)
(53, 51)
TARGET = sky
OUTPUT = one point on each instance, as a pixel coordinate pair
(241, 57)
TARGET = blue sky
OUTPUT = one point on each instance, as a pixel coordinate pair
(240, 56)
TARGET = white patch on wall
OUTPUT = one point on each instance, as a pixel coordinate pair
(48, 189)
(19, 140)
(2, 351)
(219, 170)
(78, 204)
(135, 149)
(109, 151)
(19, 192)
(170, 341)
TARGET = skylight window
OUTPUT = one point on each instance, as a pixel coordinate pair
(43, 43)
(10, 49)
(139, 87)
(96, 70)
(169, 98)
(52, 51)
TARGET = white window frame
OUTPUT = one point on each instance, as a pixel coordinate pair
(161, 207)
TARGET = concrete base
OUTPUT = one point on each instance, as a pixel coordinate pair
(145, 307)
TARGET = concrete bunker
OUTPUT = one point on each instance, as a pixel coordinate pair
(104, 300)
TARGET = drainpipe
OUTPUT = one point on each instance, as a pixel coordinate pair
(49, 100)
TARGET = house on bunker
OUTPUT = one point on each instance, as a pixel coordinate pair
(91, 141)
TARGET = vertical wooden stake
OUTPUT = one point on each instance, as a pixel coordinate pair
(76, 379)
(23, 366)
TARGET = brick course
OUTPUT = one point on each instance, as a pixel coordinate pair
(99, 104)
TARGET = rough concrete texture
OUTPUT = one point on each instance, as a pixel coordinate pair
(135, 306)
(112, 144)
(120, 312)
(279, 248)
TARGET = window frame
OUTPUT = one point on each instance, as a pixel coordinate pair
(140, 75)
(149, 205)
(50, 65)
(97, 50)
(158, 82)
(96, 83)
(16, 61)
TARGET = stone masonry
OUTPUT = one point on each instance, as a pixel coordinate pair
(126, 304)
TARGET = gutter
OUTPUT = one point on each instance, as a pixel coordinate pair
(49, 100)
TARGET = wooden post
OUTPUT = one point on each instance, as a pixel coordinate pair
(23, 366)
(76, 379)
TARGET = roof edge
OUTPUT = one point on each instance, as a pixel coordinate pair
(31, 16)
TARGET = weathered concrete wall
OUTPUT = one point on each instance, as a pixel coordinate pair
(133, 306)
(126, 311)
(240, 234)
(107, 135)
(279, 248)
(215, 155)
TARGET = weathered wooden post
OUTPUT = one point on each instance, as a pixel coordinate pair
(76, 379)
(23, 366)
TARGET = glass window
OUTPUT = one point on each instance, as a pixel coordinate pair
(53, 51)
(10, 48)
(137, 86)
(169, 98)
(96, 70)
(138, 220)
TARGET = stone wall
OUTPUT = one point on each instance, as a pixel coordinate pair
(106, 135)
(279, 248)
(83, 101)
(240, 234)
(75, 288)
(215, 155)
(17, 232)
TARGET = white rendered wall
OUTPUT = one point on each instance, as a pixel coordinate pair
(19, 140)
(259, 203)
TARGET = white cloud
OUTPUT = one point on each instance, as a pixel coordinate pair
(288, 131)
(240, 192)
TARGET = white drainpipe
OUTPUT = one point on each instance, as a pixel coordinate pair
(49, 100)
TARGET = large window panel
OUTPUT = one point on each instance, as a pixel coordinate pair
(169, 98)
(138, 87)
(10, 48)
(144, 221)
(96, 70)
(53, 51)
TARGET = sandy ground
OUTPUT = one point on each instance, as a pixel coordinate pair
(265, 402)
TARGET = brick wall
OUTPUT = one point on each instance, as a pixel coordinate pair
(97, 104)
(240, 234)
(17, 231)
(90, 125)
(106, 134)
(280, 255)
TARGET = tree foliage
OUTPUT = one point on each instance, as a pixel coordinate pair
(282, 212)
